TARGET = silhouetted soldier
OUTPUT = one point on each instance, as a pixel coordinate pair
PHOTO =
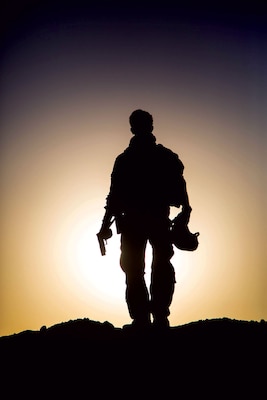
(147, 179)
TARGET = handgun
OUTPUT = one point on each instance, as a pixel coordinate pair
(102, 238)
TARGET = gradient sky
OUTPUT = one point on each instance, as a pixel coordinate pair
(70, 77)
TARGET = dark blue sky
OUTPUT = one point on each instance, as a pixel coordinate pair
(19, 17)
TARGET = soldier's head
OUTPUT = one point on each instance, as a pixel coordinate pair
(141, 122)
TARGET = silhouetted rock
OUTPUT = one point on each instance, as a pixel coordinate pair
(212, 358)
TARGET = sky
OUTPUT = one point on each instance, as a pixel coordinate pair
(71, 74)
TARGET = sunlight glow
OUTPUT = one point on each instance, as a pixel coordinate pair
(86, 269)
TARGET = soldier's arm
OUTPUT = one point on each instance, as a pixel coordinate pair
(112, 199)
(184, 199)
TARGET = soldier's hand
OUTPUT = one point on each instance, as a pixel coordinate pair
(105, 233)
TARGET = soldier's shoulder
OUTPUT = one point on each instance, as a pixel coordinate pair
(122, 158)
(170, 156)
(165, 151)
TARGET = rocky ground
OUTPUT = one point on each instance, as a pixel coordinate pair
(219, 358)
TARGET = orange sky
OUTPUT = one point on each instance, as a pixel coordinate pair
(67, 93)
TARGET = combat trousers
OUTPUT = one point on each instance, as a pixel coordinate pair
(135, 234)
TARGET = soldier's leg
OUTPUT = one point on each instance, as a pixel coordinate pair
(133, 264)
(162, 274)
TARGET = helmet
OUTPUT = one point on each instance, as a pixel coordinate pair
(181, 236)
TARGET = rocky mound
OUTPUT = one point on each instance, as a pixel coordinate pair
(89, 359)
